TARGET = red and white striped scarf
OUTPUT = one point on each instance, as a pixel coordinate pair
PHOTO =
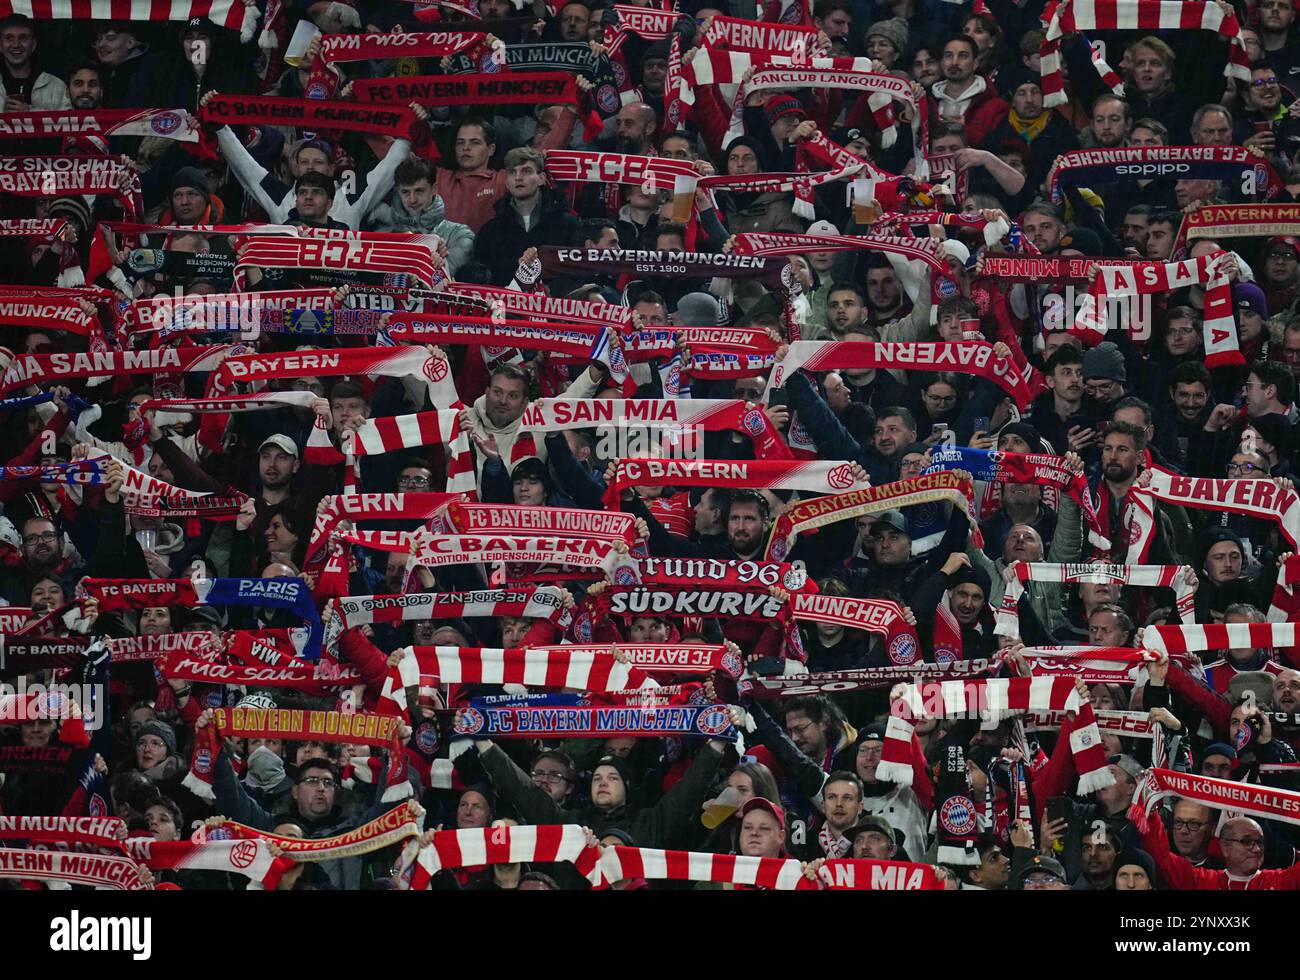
(1096, 573)
(337, 48)
(539, 602)
(544, 844)
(1093, 665)
(812, 476)
(251, 858)
(873, 615)
(384, 362)
(965, 356)
(1125, 724)
(96, 870)
(1218, 636)
(1263, 802)
(373, 506)
(1160, 278)
(593, 166)
(172, 124)
(136, 649)
(547, 415)
(1072, 16)
(539, 306)
(38, 369)
(231, 14)
(33, 312)
(770, 243)
(577, 557)
(263, 401)
(66, 176)
(992, 699)
(556, 668)
(339, 254)
(496, 337)
(808, 515)
(802, 185)
(1285, 606)
(1254, 497)
(391, 433)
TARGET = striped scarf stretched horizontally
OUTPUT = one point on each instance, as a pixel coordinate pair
(1135, 15)
(993, 699)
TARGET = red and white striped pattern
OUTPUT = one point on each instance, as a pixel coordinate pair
(1146, 576)
(1134, 15)
(250, 858)
(232, 403)
(1218, 636)
(393, 432)
(617, 168)
(620, 863)
(545, 844)
(992, 699)
(343, 254)
(553, 668)
(232, 14)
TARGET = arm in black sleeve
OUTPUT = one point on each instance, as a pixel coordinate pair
(585, 488)
(1086, 215)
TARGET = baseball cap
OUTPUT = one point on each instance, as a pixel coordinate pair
(280, 441)
(759, 803)
(876, 823)
(1041, 864)
(822, 229)
(1289, 241)
(891, 518)
(1129, 764)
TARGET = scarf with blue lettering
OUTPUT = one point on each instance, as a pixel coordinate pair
(544, 720)
(81, 471)
(995, 466)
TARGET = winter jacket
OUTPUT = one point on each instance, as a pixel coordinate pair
(506, 435)
(48, 93)
(663, 825)
(504, 239)
(391, 216)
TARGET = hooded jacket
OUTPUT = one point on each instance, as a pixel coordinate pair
(663, 825)
(392, 216)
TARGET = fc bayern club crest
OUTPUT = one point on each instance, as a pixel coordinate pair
(732, 663)
(957, 816)
(713, 721)
(777, 551)
(607, 98)
(903, 649)
(165, 123)
(942, 655)
(794, 579)
(469, 722)
(753, 423)
(426, 738)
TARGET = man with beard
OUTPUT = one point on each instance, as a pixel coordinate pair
(493, 420)
(1122, 453)
(1286, 700)
(964, 96)
(1276, 18)
(1110, 123)
(1098, 851)
(845, 309)
(277, 464)
(1189, 396)
(841, 806)
(895, 432)
(1134, 228)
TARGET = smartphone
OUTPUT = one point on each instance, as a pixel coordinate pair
(982, 424)
(1058, 808)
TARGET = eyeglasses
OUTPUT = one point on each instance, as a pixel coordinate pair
(801, 728)
(412, 481)
(1249, 843)
(1189, 824)
(542, 776)
(1242, 468)
(41, 537)
(324, 782)
(1261, 82)
(1283, 253)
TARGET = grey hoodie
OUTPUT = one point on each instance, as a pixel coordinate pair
(391, 216)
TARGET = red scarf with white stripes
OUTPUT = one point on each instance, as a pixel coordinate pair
(1072, 16)
(993, 699)
(1263, 802)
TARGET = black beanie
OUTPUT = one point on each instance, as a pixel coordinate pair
(974, 575)
(192, 177)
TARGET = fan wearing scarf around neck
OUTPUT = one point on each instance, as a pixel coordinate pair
(955, 615)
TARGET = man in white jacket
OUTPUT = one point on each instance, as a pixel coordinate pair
(22, 87)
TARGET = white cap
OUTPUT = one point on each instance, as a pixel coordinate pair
(823, 229)
(280, 441)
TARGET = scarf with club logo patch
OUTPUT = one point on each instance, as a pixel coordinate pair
(993, 699)
(66, 176)
(813, 476)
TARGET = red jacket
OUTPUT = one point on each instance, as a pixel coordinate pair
(984, 114)
(1180, 873)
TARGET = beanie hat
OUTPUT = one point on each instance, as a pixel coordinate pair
(485, 791)
(1011, 77)
(1084, 240)
(192, 177)
(1140, 858)
(696, 310)
(161, 730)
(1104, 361)
(781, 105)
(975, 576)
(1219, 748)
(614, 762)
(658, 51)
(1212, 536)
(893, 30)
(1025, 431)
(72, 209)
(1276, 429)
(1248, 296)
